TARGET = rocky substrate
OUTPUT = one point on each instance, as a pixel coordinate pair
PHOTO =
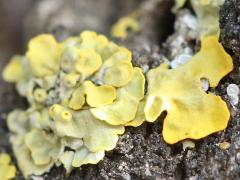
(141, 152)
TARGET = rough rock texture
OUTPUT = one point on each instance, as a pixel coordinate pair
(141, 152)
(230, 25)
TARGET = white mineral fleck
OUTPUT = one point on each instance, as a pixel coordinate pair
(188, 144)
(37, 178)
(147, 171)
(180, 60)
(188, 50)
(234, 100)
(190, 21)
(205, 84)
(145, 68)
(233, 92)
(193, 177)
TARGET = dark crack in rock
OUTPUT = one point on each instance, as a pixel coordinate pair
(183, 40)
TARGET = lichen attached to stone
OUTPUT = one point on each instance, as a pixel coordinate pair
(81, 94)
(207, 12)
(7, 171)
(191, 112)
(125, 25)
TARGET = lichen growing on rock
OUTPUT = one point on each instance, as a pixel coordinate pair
(191, 113)
(125, 25)
(207, 13)
(7, 171)
(81, 93)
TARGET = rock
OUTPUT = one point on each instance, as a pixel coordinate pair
(230, 25)
(233, 93)
(141, 152)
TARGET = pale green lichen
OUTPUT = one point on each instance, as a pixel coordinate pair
(82, 92)
(207, 12)
(179, 4)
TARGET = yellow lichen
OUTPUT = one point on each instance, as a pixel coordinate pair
(188, 144)
(124, 71)
(99, 96)
(40, 95)
(44, 55)
(43, 147)
(66, 82)
(124, 25)
(20, 125)
(71, 79)
(207, 13)
(77, 100)
(83, 91)
(14, 71)
(191, 113)
(224, 145)
(88, 62)
(84, 156)
(124, 108)
(139, 117)
(178, 4)
(7, 171)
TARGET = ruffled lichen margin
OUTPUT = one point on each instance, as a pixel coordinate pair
(83, 92)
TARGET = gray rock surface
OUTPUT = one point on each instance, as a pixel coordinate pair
(230, 25)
